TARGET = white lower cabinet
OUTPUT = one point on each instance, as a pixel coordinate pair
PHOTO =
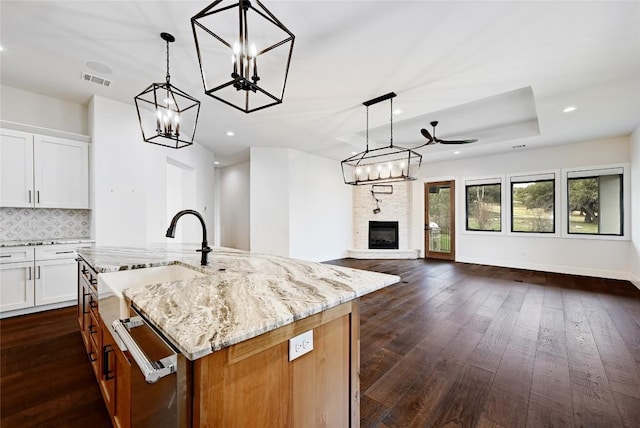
(16, 286)
(55, 281)
(33, 279)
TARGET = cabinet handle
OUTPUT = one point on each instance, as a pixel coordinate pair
(38, 277)
(92, 303)
(92, 329)
(64, 252)
(84, 307)
(29, 273)
(91, 357)
(106, 350)
(38, 196)
(29, 196)
(93, 281)
(4, 256)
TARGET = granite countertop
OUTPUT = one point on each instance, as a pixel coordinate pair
(50, 241)
(242, 296)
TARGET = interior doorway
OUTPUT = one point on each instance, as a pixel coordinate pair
(440, 216)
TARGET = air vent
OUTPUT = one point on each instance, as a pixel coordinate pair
(95, 79)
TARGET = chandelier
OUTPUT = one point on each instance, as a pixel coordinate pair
(382, 165)
(245, 71)
(167, 115)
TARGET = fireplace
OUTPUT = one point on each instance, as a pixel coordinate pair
(383, 235)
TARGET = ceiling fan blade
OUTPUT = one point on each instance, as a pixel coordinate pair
(457, 141)
(426, 135)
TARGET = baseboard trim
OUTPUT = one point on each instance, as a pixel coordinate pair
(570, 270)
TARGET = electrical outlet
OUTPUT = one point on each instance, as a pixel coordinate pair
(300, 345)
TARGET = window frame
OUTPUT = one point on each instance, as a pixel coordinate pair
(535, 176)
(625, 202)
(480, 181)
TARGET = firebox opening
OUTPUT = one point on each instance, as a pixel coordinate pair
(383, 235)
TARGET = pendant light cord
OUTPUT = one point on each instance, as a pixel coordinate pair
(391, 120)
(367, 129)
(168, 76)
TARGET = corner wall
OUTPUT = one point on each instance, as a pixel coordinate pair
(300, 207)
(234, 206)
(591, 257)
(634, 251)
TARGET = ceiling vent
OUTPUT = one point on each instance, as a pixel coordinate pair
(95, 79)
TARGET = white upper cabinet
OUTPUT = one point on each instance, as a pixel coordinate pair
(43, 172)
(16, 169)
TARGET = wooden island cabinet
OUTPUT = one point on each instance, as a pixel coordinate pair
(296, 373)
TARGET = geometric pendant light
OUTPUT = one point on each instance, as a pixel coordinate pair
(244, 53)
(386, 164)
(167, 115)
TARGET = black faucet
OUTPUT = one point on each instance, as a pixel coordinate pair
(171, 233)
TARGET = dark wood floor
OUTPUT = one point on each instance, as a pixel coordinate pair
(451, 345)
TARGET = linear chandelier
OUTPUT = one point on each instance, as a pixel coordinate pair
(245, 71)
(382, 165)
(168, 116)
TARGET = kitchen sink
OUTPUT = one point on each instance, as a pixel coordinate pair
(110, 285)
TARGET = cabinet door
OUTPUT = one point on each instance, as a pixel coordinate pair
(16, 169)
(55, 281)
(16, 286)
(61, 173)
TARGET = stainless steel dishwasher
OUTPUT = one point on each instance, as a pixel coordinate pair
(159, 374)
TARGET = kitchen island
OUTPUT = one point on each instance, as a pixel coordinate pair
(232, 325)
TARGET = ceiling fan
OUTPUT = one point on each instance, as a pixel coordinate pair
(433, 139)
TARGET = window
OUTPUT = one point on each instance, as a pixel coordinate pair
(595, 202)
(484, 210)
(533, 204)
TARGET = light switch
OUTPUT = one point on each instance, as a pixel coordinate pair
(300, 345)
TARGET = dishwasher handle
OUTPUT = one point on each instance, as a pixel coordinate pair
(152, 370)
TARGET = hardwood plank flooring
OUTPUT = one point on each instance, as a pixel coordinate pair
(452, 344)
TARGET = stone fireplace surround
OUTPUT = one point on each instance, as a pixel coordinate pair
(393, 207)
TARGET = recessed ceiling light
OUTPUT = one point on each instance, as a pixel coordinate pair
(457, 152)
(230, 133)
(99, 67)
(569, 109)
(397, 111)
(216, 163)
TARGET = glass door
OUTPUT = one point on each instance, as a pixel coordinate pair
(440, 214)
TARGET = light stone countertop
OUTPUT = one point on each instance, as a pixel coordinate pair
(50, 241)
(242, 296)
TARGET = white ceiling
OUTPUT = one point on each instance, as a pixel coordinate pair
(434, 55)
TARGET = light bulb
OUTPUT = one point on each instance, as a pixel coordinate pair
(254, 51)
(379, 167)
(236, 48)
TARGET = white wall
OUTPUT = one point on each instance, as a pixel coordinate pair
(234, 206)
(269, 200)
(634, 256)
(320, 207)
(299, 205)
(129, 185)
(601, 258)
(17, 105)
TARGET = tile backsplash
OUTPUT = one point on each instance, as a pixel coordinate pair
(43, 223)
